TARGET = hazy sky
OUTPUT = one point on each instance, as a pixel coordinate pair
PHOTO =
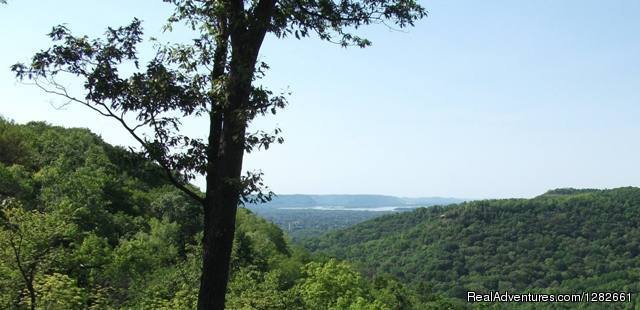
(481, 99)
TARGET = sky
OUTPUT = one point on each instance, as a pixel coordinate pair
(482, 99)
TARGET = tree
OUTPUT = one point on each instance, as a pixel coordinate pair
(31, 241)
(58, 291)
(215, 76)
(333, 284)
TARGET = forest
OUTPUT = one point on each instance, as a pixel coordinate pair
(490, 100)
(563, 241)
(86, 225)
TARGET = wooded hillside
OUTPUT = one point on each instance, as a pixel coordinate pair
(563, 241)
(85, 225)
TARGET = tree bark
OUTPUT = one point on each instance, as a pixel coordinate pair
(226, 146)
(32, 295)
(223, 197)
(217, 244)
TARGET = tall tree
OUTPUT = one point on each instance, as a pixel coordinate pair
(214, 76)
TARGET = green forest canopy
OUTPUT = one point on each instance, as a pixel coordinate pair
(564, 241)
(88, 225)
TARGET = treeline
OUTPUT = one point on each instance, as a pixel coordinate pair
(85, 225)
(564, 241)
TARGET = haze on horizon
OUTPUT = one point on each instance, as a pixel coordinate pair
(480, 100)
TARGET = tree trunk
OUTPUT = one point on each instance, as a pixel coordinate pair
(225, 169)
(217, 244)
(220, 219)
(223, 197)
(32, 295)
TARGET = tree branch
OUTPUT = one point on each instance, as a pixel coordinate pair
(16, 253)
(131, 130)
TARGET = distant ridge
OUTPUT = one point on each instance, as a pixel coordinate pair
(301, 200)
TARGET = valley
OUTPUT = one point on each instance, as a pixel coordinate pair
(100, 228)
(303, 216)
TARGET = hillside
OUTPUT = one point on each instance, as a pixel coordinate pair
(562, 241)
(86, 225)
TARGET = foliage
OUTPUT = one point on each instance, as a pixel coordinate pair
(32, 241)
(215, 76)
(58, 291)
(87, 226)
(564, 241)
(335, 285)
